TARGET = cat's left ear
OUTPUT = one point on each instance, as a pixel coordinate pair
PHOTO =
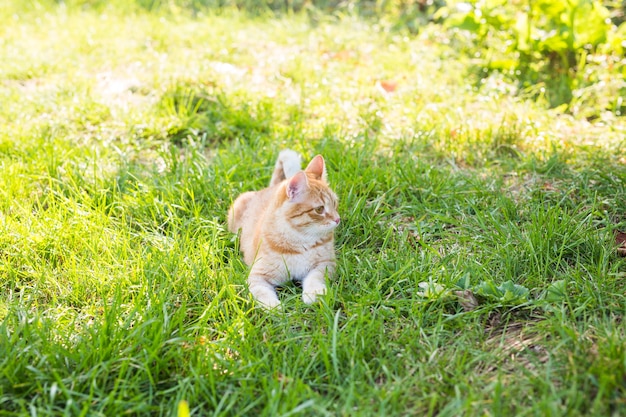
(317, 167)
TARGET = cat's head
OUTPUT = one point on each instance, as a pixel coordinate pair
(310, 205)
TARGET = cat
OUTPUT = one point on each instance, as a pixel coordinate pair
(287, 230)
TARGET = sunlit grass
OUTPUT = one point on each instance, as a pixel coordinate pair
(124, 137)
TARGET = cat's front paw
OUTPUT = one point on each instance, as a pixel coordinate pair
(263, 293)
(310, 295)
(268, 303)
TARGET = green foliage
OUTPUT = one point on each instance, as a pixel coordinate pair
(542, 41)
(409, 13)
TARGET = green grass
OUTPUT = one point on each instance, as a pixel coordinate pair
(124, 137)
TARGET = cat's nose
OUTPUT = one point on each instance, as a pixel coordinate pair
(337, 220)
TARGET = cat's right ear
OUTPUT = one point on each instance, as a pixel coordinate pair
(296, 186)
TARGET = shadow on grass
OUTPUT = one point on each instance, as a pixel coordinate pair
(201, 112)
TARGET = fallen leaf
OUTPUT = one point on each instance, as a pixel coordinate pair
(620, 239)
(467, 300)
(387, 86)
(341, 55)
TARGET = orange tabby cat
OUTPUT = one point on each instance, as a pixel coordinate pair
(287, 229)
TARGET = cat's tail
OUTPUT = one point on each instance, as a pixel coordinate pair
(287, 164)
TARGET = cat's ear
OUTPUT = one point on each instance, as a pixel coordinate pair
(297, 186)
(317, 167)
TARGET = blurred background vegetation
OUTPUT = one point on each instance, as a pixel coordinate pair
(566, 53)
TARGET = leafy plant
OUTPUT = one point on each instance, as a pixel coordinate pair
(537, 41)
(507, 293)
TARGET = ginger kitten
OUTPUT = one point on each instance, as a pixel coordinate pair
(287, 229)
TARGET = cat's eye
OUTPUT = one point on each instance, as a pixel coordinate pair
(319, 209)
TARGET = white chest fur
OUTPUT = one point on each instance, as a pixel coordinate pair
(280, 268)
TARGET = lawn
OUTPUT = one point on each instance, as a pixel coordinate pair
(478, 270)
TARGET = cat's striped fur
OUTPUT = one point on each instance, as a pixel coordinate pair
(287, 229)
